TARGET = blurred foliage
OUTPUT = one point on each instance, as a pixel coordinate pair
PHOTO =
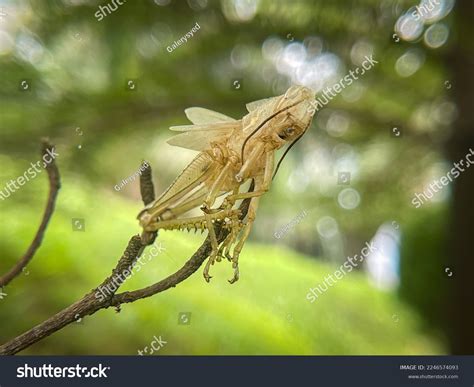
(424, 253)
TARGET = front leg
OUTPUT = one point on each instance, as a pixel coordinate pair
(230, 200)
(216, 188)
(250, 162)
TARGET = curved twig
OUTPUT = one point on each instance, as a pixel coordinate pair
(54, 186)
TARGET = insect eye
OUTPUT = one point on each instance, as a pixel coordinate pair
(286, 133)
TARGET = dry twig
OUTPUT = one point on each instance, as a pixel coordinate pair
(54, 186)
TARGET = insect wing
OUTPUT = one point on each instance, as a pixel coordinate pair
(192, 174)
(198, 116)
(251, 106)
(199, 137)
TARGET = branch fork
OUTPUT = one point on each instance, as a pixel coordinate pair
(90, 303)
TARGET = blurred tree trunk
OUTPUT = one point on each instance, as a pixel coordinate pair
(461, 64)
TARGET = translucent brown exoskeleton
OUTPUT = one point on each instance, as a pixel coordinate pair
(232, 152)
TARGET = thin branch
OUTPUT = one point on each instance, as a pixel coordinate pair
(147, 189)
(54, 186)
(91, 303)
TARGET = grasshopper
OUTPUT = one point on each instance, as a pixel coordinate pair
(232, 152)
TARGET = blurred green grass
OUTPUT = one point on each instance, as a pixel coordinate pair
(266, 312)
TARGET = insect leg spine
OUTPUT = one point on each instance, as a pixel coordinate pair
(226, 217)
(192, 225)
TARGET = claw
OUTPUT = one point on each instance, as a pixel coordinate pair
(206, 275)
(210, 261)
(235, 265)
